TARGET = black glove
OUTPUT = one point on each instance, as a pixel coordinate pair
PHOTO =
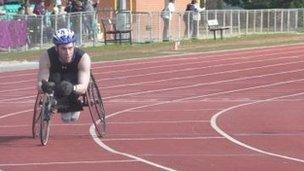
(65, 88)
(47, 87)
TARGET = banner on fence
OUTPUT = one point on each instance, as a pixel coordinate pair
(13, 34)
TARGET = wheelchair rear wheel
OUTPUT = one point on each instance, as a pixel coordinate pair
(96, 108)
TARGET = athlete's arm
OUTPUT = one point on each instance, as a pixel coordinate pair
(84, 67)
(43, 72)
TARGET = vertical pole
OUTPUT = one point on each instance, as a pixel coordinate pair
(56, 22)
(262, 21)
(282, 20)
(138, 16)
(247, 20)
(69, 20)
(179, 27)
(254, 21)
(224, 18)
(80, 29)
(95, 31)
(288, 20)
(268, 20)
(28, 36)
(41, 31)
(159, 26)
(239, 21)
(207, 18)
(231, 21)
(275, 20)
(296, 19)
(122, 5)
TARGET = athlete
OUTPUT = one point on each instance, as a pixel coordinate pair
(68, 67)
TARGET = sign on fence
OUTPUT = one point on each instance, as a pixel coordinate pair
(13, 34)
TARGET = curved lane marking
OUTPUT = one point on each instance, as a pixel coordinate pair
(213, 123)
(106, 147)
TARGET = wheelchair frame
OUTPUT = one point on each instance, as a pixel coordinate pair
(44, 106)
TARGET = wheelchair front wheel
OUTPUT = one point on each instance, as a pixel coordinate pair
(44, 130)
(45, 118)
(36, 115)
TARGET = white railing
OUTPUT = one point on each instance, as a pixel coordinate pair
(148, 26)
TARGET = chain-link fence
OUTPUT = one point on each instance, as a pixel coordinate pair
(23, 32)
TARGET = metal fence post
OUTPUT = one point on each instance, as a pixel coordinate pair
(207, 18)
(239, 21)
(254, 21)
(95, 29)
(231, 22)
(282, 20)
(296, 19)
(179, 27)
(41, 31)
(80, 28)
(288, 20)
(138, 27)
(247, 21)
(275, 20)
(159, 27)
(262, 21)
(56, 22)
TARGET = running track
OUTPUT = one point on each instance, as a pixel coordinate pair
(225, 111)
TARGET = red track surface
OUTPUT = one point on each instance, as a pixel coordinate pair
(227, 111)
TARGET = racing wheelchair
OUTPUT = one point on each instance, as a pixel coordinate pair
(45, 105)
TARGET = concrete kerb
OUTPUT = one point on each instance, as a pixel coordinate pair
(6, 66)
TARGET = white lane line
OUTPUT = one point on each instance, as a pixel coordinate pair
(17, 98)
(199, 68)
(188, 69)
(295, 48)
(286, 56)
(111, 150)
(160, 122)
(187, 98)
(162, 138)
(100, 143)
(106, 147)
(192, 76)
(186, 77)
(200, 55)
(52, 125)
(201, 155)
(214, 125)
(171, 79)
(17, 89)
(203, 84)
(16, 113)
(66, 163)
(124, 77)
(112, 123)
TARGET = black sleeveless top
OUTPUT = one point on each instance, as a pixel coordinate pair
(60, 71)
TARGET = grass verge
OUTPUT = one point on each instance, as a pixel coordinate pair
(125, 51)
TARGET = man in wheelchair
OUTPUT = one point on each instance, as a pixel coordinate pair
(65, 69)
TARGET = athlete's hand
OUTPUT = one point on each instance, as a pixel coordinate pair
(47, 87)
(65, 88)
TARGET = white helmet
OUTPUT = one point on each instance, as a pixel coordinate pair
(63, 36)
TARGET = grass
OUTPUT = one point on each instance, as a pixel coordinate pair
(125, 51)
